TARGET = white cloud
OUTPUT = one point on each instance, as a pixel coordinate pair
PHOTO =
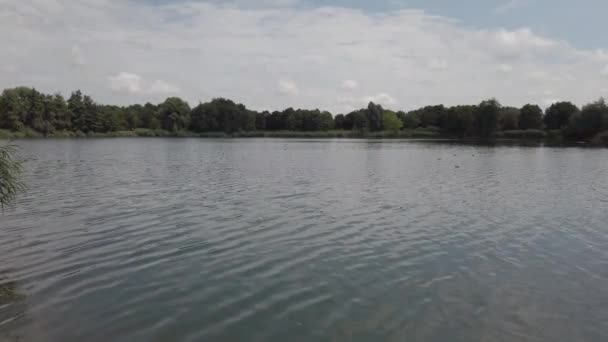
(506, 68)
(543, 76)
(605, 71)
(350, 84)
(159, 86)
(135, 84)
(287, 87)
(437, 64)
(77, 56)
(518, 44)
(249, 53)
(347, 104)
(549, 101)
(382, 98)
(125, 81)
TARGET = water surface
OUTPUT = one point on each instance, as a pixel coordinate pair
(306, 240)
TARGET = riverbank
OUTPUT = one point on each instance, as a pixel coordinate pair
(553, 136)
(141, 132)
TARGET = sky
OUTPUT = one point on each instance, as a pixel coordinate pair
(333, 55)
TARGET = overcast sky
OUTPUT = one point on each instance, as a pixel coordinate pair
(335, 55)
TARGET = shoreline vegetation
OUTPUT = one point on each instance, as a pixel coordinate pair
(28, 113)
(420, 133)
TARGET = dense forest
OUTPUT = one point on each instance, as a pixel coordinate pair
(26, 109)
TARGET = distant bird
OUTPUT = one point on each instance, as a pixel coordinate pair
(457, 166)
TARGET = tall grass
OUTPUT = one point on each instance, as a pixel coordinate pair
(10, 172)
(520, 134)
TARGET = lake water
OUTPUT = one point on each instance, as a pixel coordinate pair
(307, 240)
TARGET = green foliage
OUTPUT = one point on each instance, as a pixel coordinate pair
(9, 293)
(486, 120)
(23, 133)
(460, 120)
(531, 117)
(146, 132)
(58, 111)
(174, 114)
(508, 119)
(600, 138)
(326, 121)
(430, 116)
(521, 134)
(410, 120)
(10, 172)
(339, 121)
(148, 115)
(77, 109)
(260, 121)
(111, 119)
(224, 115)
(375, 117)
(358, 120)
(14, 108)
(364, 120)
(558, 115)
(25, 112)
(592, 119)
(392, 122)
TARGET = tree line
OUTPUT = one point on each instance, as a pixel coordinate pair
(26, 108)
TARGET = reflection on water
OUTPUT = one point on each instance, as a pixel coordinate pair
(12, 308)
(331, 240)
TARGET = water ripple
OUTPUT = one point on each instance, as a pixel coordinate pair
(274, 240)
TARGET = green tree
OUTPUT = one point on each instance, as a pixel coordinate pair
(274, 121)
(593, 119)
(348, 123)
(374, 115)
(486, 120)
(35, 115)
(13, 108)
(401, 115)
(411, 120)
(174, 114)
(557, 116)
(358, 120)
(260, 121)
(58, 112)
(431, 116)
(531, 117)
(224, 115)
(326, 121)
(290, 120)
(90, 116)
(460, 120)
(204, 118)
(392, 122)
(10, 171)
(247, 121)
(77, 110)
(111, 119)
(149, 116)
(339, 121)
(508, 118)
(131, 117)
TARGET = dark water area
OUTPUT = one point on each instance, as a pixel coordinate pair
(306, 240)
